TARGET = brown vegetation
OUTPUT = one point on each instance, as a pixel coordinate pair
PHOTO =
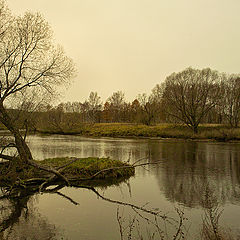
(192, 97)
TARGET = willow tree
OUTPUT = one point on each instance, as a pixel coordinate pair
(30, 64)
(189, 95)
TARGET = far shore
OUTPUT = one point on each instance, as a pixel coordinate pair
(206, 132)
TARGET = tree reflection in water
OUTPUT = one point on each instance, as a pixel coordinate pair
(189, 174)
(20, 220)
(177, 226)
(188, 168)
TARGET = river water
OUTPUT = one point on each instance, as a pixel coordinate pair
(189, 176)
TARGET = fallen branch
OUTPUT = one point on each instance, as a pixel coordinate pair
(50, 170)
(68, 198)
(61, 169)
(7, 157)
(57, 173)
(134, 165)
(67, 164)
(155, 213)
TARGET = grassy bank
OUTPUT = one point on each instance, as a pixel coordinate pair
(83, 169)
(206, 131)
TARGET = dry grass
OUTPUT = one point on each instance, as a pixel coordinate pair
(164, 130)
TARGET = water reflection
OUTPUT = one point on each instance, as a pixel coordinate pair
(184, 170)
(20, 220)
(55, 146)
(189, 167)
(186, 173)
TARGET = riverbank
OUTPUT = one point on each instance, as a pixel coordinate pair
(79, 170)
(206, 131)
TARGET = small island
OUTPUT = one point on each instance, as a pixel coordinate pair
(89, 171)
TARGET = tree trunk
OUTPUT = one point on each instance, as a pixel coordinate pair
(22, 148)
(195, 129)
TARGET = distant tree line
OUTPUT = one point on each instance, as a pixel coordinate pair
(191, 97)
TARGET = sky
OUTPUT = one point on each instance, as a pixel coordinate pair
(132, 45)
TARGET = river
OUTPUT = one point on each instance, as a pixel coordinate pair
(186, 176)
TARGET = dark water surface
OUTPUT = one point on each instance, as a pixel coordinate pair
(187, 173)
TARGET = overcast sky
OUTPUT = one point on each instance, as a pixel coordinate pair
(131, 45)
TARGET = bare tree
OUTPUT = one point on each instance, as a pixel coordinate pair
(148, 107)
(135, 115)
(115, 105)
(231, 99)
(29, 61)
(95, 107)
(189, 95)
